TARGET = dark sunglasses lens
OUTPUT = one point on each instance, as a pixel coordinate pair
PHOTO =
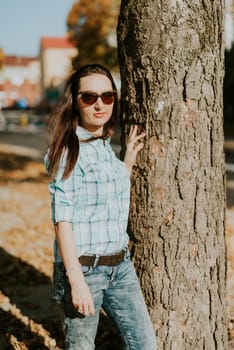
(108, 97)
(89, 99)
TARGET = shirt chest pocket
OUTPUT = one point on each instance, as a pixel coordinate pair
(99, 185)
(98, 174)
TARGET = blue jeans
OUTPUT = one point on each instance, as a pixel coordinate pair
(115, 289)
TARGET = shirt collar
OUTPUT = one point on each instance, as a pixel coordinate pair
(84, 134)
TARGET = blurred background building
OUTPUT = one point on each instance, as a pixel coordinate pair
(20, 82)
(26, 82)
(55, 56)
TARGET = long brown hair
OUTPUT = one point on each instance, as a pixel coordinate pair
(65, 118)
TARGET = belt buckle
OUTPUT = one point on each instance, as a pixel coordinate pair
(96, 260)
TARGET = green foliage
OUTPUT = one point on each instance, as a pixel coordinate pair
(92, 25)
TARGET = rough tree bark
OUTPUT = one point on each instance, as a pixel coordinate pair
(171, 62)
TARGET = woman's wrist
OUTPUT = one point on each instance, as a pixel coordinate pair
(129, 166)
(74, 272)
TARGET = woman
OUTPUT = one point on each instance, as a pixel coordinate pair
(90, 190)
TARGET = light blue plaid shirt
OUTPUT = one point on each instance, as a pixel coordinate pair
(94, 198)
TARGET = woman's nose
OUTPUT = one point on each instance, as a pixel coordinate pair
(98, 103)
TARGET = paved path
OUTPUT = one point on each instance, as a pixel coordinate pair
(34, 142)
(29, 139)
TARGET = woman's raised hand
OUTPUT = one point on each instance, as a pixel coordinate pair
(134, 143)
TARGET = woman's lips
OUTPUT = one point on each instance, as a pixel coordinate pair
(99, 114)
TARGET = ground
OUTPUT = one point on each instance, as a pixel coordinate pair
(29, 318)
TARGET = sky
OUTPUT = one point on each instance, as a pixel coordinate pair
(24, 22)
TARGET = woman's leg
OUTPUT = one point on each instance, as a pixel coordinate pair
(124, 303)
(80, 333)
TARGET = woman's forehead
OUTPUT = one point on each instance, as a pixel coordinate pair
(96, 82)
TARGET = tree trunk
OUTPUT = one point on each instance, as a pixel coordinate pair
(171, 62)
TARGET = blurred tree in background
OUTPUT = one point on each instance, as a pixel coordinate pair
(1, 57)
(92, 27)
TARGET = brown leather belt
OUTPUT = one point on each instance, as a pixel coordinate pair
(106, 260)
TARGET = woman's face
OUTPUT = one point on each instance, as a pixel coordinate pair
(94, 116)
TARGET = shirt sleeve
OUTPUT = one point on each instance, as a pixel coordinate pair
(64, 193)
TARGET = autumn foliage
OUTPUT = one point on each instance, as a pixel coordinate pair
(1, 58)
(92, 26)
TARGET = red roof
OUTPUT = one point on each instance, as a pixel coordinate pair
(18, 60)
(56, 43)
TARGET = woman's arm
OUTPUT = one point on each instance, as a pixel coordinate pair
(81, 295)
(134, 144)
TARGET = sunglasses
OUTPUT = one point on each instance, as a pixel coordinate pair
(90, 98)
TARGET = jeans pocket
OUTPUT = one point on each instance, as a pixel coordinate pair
(86, 269)
(58, 281)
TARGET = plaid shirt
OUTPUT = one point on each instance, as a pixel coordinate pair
(94, 198)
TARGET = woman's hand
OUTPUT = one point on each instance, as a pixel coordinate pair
(134, 144)
(81, 296)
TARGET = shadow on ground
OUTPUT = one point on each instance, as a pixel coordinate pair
(30, 291)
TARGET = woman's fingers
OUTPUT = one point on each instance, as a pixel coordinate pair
(80, 309)
(134, 143)
(86, 308)
(134, 139)
(140, 136)
(138, 147)
(133, 129)
(91, 309)
(82, 299)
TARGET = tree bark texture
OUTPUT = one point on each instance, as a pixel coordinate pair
(171, 63)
